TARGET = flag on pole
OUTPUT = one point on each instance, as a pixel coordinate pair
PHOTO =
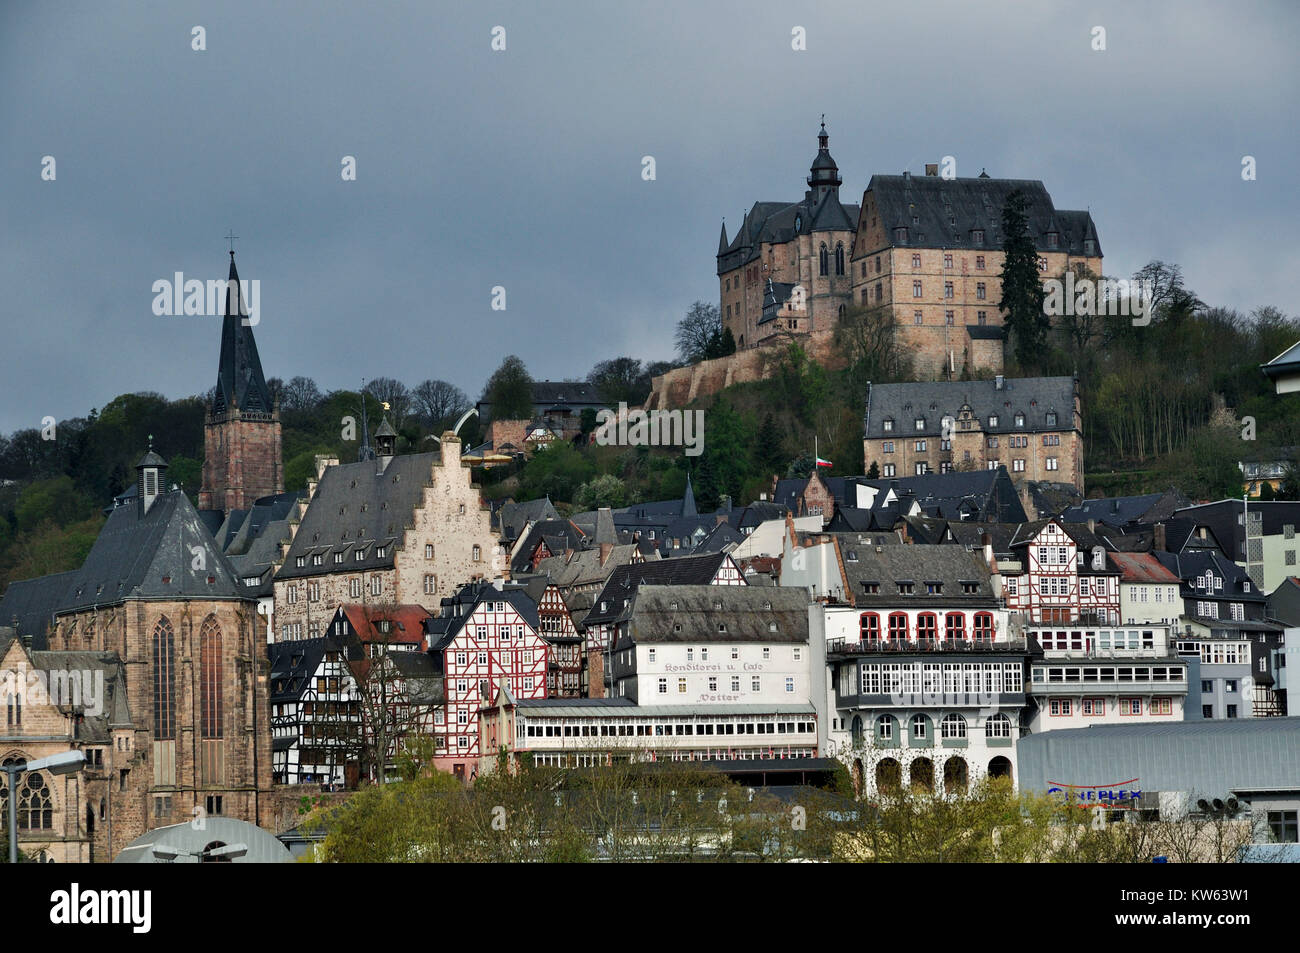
(823, 463)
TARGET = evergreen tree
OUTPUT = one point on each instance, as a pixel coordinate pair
(768, 452)
(1022, 292)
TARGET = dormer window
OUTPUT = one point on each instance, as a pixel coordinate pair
(338, 557)
(1051, 418)
(871, 588)
(906, 588)
(993, 420)
(358, 555)
(318, 559)
(1089, 247)
(1053, 240)
(920, 423)
(900, 234)
(977, 236)
(301, 561)
(1020, 420)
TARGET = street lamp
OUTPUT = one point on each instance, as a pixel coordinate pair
(66, 762)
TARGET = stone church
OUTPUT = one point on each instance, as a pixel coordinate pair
(150, 658)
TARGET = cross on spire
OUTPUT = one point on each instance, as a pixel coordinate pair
(231, 238)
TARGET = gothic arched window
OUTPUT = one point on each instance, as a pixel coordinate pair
(164, 680)
(839, 259)
(35, 807)
(824, 261)
(211, 680)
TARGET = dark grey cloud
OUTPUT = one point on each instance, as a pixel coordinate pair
(522, 168)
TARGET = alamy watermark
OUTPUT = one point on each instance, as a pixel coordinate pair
(651, 428)
(76, 688)
(179, 296)
(1105, 296)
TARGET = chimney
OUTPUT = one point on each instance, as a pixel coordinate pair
(998, 381)
(1159, 542)
(932, 168)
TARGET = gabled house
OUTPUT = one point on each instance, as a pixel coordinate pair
(484, 638)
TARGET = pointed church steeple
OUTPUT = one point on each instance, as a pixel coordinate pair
(242, 453)
(722, 242)
(240, 383)
(824, 174)
(688, 499)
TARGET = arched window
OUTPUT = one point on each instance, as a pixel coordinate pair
(164, 680)
(35, 807)
(856, 729)
(919, 728)
(839, 258)
(841, 311)
(824, 261)
(886, 729)
(998, 726)
(869, 626)
(952, 726)
(211, 704)
(927, 627)
(955, 626)
(211, 681)
(898, 627)
(983, 627)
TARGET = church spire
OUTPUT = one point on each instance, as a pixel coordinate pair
(240, 383)
(688, 499)
(824, 174)
(722, 242)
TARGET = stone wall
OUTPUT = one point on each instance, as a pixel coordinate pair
(680, 386)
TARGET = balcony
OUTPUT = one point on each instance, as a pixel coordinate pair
(1110, 687)
(842, 648)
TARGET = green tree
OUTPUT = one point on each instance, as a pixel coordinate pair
(769, 452)
(509, 391)
(604, 490)
(1022, 292)
(700, 334)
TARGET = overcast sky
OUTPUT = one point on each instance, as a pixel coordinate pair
(522, 168)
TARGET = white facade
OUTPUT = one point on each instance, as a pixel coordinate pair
(715, 672)
(1149, 603)
(942, 719)
(1089, 676)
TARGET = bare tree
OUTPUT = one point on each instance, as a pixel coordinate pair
(439, 402)
(300, 393)
(394, 393)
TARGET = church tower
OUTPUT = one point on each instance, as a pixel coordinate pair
(242, 452)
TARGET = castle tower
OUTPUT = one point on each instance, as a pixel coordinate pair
(241, 441)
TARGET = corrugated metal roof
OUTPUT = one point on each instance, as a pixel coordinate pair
(1209, 758)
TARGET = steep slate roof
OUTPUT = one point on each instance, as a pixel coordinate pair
(584, 567)
(30, 604)
(1120, 510)
(251, 538)
(1191, 563)
(294, 663)
(113, 710)
(150, 557)
(887, 566)
(558, 534)
(1034, 397)
(356, 504)
(1084, 538)
(624, 581)
(512, 518)
(974, 203)
(780, 222)
(240, 383)
(1050, 499)
(456, 610)
(722, 537)
(748, 613)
